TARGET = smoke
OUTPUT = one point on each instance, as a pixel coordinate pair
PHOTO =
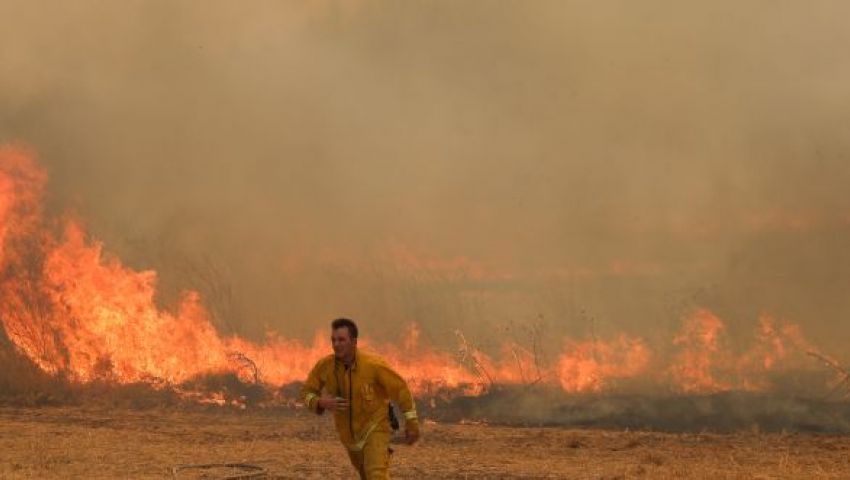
(724, 412)
(595, 168)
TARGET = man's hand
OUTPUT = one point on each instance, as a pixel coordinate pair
(411, 431)
(338, 404)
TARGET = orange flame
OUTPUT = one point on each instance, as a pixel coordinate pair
(71, 308)
(701, 351)
(705, 364)
(590, 366)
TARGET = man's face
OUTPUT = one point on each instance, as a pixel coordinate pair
(343, 343)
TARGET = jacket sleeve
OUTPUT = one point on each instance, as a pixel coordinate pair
(398, 392)
(312, 388)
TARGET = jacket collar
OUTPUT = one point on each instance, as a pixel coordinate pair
(353, 364)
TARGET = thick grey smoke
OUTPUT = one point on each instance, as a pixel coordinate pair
(592, 166)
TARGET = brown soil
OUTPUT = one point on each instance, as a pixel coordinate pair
(84, 443)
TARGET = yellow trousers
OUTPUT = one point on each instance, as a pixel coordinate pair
(373, 462)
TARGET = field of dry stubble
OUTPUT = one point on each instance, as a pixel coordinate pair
(85, 443)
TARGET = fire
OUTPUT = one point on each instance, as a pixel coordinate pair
(590, 366)
(429, 370)
(73, 308)
(700, 354)
(705, 364)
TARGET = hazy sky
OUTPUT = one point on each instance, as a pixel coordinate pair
(463, 164)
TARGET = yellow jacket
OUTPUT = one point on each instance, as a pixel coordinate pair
(369, 385)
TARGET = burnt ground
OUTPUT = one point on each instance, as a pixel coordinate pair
(86, 442)
(726, 412)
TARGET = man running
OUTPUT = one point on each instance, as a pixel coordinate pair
(357, 387)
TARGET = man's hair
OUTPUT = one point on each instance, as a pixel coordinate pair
(345, 323)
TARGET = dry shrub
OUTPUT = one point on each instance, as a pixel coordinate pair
(230, 389)
(133, 396)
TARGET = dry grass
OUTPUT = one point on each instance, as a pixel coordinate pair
(54, 442)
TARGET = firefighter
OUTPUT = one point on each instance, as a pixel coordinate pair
(357, 387)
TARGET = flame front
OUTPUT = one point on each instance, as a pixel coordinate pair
(589, 366)
(72, 308)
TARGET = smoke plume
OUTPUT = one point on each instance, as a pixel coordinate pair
(584, 168)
